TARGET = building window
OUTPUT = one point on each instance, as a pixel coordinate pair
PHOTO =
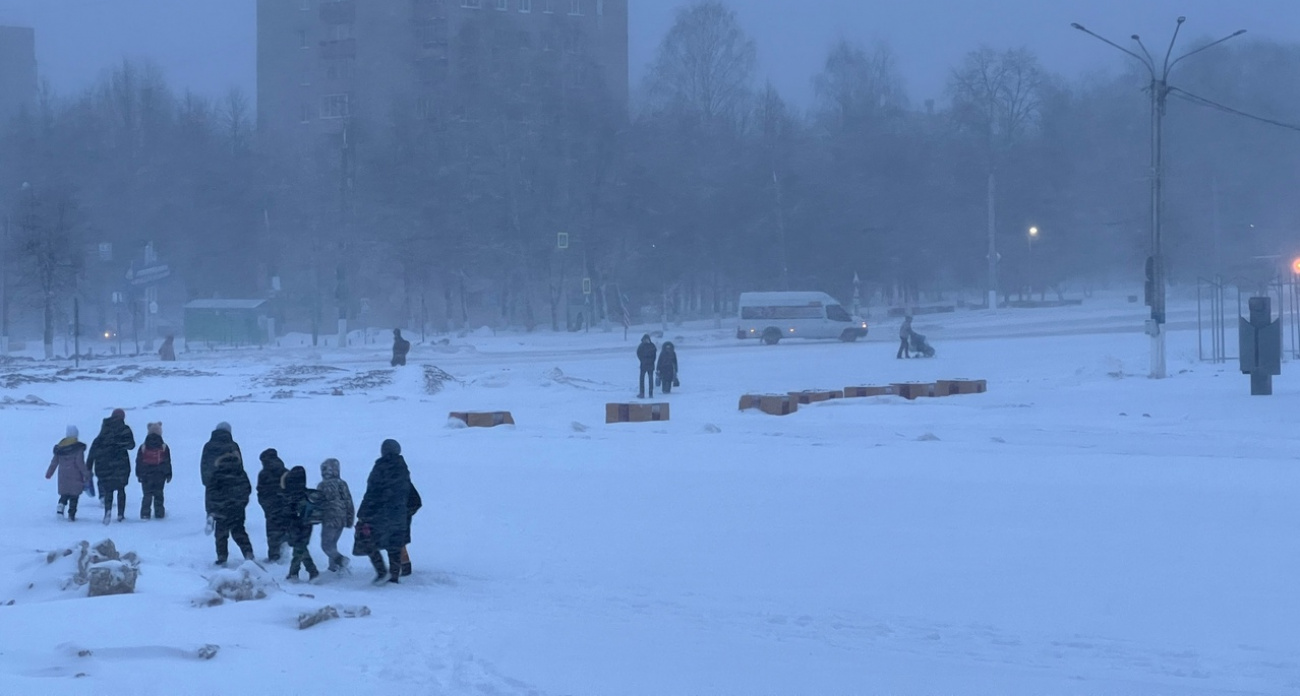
(340, 68)
(548, 41)
(472, 4)
(548, 6)
(302, 38)
(305, 115)
(336, 106)
(575, 7)
(525, 5)
(503, 5)
(525, 41)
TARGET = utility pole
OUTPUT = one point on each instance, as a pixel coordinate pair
(1160, 90)
(993, 241)
(4, 290)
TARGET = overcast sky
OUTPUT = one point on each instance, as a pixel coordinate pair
(209, 45)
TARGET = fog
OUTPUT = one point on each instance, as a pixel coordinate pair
(757, 145)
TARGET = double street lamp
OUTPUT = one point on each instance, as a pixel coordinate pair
(1160, 90)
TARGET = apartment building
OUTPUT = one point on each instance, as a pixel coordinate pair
(18, 84)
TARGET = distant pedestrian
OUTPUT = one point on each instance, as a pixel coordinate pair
(220, 443)
(338, 513)
(226, 499)
(293, 489)
(70, 463)
(645, 354)
(271, 498)
(401, 347)
(384, 511)
(110, 462)
(153, 469)
(667, 367)
(905, 339)
(167, 353)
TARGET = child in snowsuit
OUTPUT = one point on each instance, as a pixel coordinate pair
(338, 512)
(110, 461)
(227, 500)
(271, 497)
(153, 469)
(70, 461)
(293, 486)
(645, 353)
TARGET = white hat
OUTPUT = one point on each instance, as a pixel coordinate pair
(71, 431)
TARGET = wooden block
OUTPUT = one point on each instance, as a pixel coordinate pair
(488, 419)
(771, 404)
(865, 392)
(955, 387)
(636, 413)
(915, 390)
(815, 396)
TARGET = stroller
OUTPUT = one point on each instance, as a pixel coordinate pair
(919, 345)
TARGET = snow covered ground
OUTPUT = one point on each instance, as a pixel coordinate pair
(1079, 529)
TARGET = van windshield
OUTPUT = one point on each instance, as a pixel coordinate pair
(836, 313)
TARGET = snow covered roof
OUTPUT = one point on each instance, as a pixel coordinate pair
(225, 304)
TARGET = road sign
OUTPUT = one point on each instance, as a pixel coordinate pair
(586, 286)
(148, 275)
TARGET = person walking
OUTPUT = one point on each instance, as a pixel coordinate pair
(293, 490)
(220, 443)
(645, 353)
(667, 367)
(153, 469)
(226, 499)
(385, 511)
(401, 347)
(270, 496)
(70, 463)
(110, 461)
(338, 512)
(905, 339)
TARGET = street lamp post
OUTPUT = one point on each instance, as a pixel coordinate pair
(1159, 98)
(1033, 271)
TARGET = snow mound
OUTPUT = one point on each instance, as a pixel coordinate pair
(246, 583)
(436, 379)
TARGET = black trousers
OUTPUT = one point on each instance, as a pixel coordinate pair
(904, 350)
(394, 569)
(107, 495)
(228, 528)
(302, 557)
(152, 497)
(71, 502)
(647, 375)
(277, 534)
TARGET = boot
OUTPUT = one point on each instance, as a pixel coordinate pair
(62, 506)
(108, 516)
(406, 569)
(381, 570)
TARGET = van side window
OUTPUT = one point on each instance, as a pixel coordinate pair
(836, 313)
(759, 313)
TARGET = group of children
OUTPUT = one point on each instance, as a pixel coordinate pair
(291, 508)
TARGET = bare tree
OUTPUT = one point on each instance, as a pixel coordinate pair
(705, 65)
(49, 251)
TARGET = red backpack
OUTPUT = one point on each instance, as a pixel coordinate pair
(152, 457)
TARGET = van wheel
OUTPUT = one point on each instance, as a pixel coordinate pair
(771, 336)
(849, 336)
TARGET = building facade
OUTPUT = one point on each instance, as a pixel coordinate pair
(18, 83)
(326, 65)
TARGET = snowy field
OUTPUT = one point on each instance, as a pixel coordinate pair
(1079, 529)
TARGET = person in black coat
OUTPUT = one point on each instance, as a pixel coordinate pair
(221, 443)
(645, 353)
(226, 499)
(293, 491)
(271, 497)
(385, 509)
(110, 461)
(153, 469)
(401, 347)
(667, 368)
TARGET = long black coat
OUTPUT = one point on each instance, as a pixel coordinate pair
(386, 504)
(110, 454)
(228, 489)
(667, 364)
(269, 493)
(219, 444)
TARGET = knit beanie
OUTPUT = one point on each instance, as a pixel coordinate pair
(223, 426)
(71, 432)
(155, 429)
(119, 414)
(269, 455)
(390, 447)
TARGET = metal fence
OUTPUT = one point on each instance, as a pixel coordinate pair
(1216, 339)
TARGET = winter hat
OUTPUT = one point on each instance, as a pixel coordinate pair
(389, 448)
(71, 432)
(269, 455)
(223, 426)
(397, 332)
(119, 414)
(156, 428)
(294, 479)
(330, 468)
(645, 338)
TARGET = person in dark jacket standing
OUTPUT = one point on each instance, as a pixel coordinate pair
(70, 463)
(221, 443)
(270, 497)
(226, 499)
(385, 510)
(293, 490)
(401, 347)
(645, 353)
(667, 368)
(905, 339)
(338, 513)
(110, 462)
(153, 469)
